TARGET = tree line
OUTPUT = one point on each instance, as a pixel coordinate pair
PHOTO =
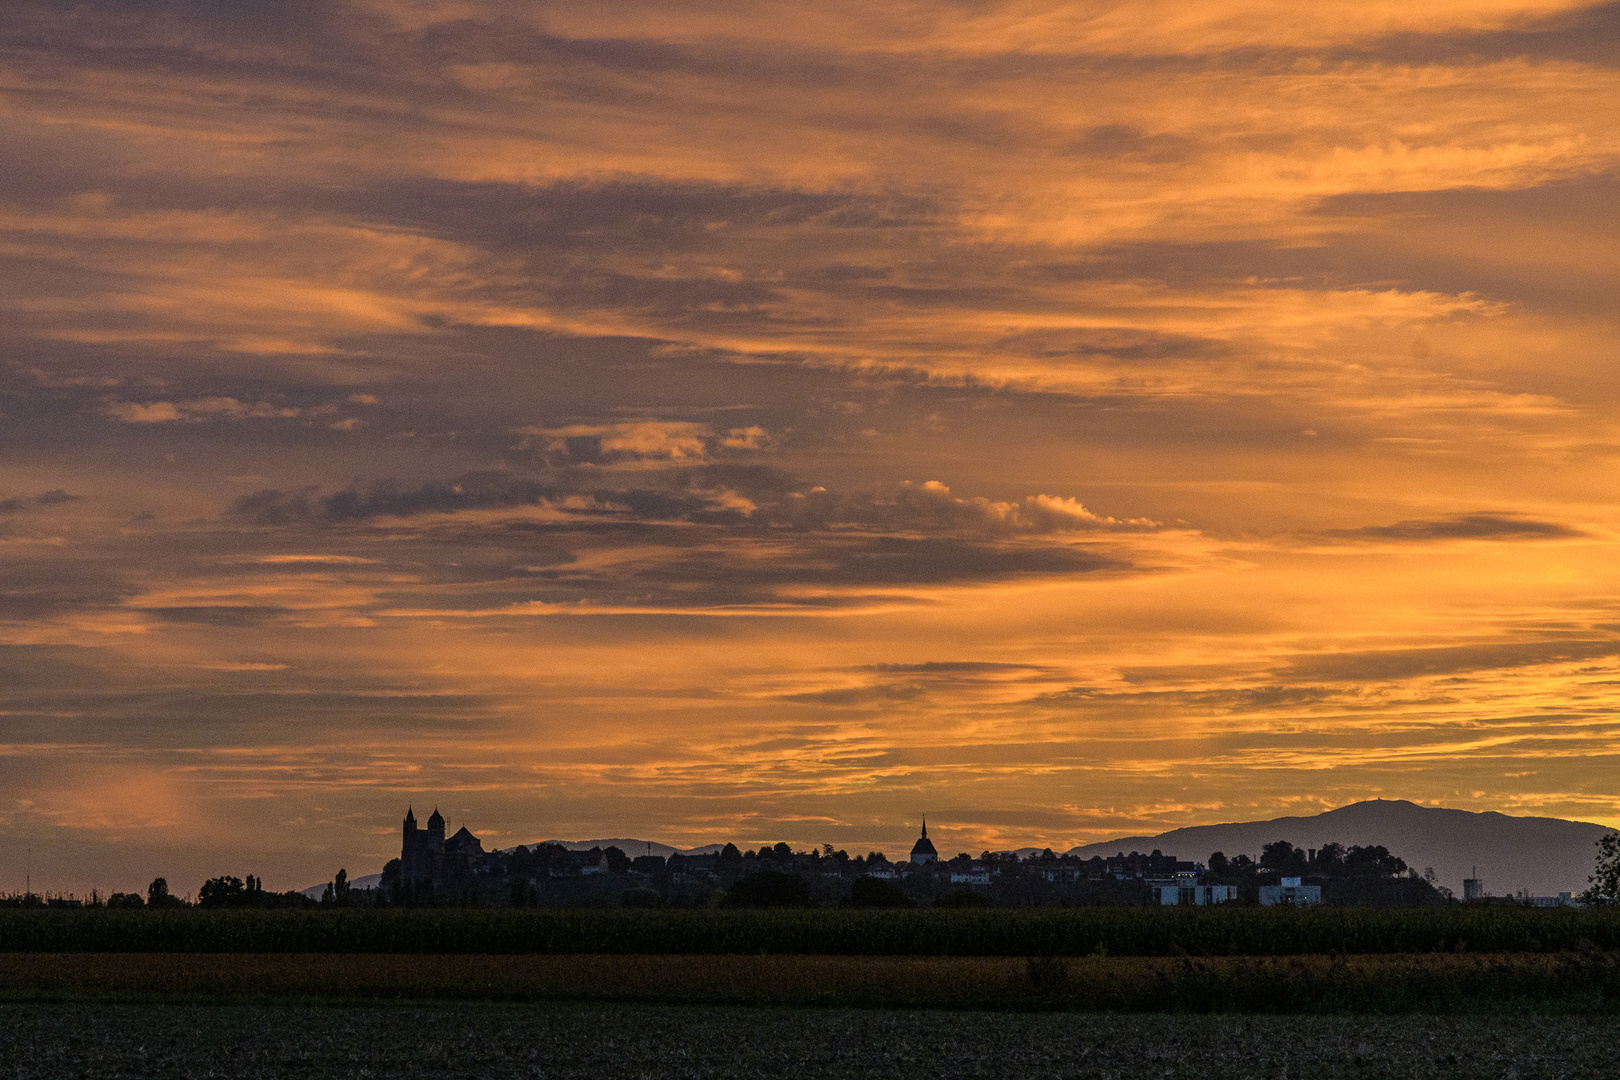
(777, 876)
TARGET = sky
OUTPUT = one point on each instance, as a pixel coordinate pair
(712, 421)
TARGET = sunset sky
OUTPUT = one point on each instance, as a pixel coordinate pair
(706, 420)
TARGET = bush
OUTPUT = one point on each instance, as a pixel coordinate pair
(870, 892)
(769, 889)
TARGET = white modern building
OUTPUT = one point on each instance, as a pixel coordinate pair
(975, 873)
(1290, 892)
(1171, 895)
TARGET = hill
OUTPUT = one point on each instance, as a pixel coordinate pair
(1541, 856)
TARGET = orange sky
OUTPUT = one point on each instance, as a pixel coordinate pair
(699, 421)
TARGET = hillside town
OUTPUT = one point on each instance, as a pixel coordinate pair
(435, 869)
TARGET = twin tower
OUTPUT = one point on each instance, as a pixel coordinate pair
(422, 856)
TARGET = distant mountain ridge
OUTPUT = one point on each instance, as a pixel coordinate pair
(1539, 855)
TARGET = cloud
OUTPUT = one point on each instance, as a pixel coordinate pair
(716, 538)
(860, 695)
(209, 408)
(710, 495)
(1378, 665)
(156, 412)
(931, 506)
(45, 588)
(1479, 526)
(19, 503)
(645, 440)
(748, 438)
(223, 615)
(958, 667)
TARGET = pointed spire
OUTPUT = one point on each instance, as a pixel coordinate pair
(925, 826)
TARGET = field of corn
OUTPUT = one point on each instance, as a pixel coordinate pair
(496, 1042)
(1233, 931)
(1415, 983)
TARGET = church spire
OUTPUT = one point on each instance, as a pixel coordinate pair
(923, 851)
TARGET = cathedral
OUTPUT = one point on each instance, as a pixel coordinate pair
(422, 858)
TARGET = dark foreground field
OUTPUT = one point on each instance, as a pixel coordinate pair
(564, 1041)
(1433, 983)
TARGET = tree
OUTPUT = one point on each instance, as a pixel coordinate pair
(221, 891)
(1284, 858)
(617, 861)
(1373, 861)
(1604, 890)
(1217, 864)
(1329, 861)
(964, 898)
(768, 888)
(340, 887)
(391, 885)
(158, 895)
(125, 900)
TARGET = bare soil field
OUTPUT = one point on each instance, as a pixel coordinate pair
(447, 1040)
(1558, 983)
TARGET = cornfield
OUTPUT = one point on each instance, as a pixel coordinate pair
(1164, 932)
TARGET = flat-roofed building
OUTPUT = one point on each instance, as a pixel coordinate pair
(1290, 891)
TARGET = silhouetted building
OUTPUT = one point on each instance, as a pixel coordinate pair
(425, 854)
(421, 858)
(464, 845)
(923, 850)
